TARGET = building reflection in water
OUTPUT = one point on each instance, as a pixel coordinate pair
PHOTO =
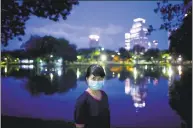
(78, 73)
(118, 75)
(180, 70)
(138, 92)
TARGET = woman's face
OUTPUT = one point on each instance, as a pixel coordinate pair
(95, 78)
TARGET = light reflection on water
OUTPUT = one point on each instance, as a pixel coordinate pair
(52, 92)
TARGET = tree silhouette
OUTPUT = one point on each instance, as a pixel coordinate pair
(138, 48)
(181, 97)
(182, 37)
(124, 54)
(44, 46)
(177, 19)
(15, 14)
(171, 14)
(152, 54)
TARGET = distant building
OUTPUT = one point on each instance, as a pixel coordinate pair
(137, 35)
(94, 41)
(154, 44)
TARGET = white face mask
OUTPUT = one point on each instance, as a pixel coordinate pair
(95, 85)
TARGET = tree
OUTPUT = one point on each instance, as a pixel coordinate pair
(181, 39)
(171, 14)
(180, 97)
(177, 19)
(138, 48)
(124, 54)
(152, 55)
(15, 14)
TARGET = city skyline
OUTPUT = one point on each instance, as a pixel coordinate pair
(110, 22)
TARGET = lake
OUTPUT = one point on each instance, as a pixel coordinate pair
(138, 96)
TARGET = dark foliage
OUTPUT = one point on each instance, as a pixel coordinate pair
(124, 54)
(181, 39)
(181, 97)
(15, 13)
(138, 48)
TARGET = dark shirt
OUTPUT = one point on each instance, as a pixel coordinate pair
(91, 112)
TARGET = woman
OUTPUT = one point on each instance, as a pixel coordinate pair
(92, 108)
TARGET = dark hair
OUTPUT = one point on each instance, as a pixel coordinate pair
(95, 70)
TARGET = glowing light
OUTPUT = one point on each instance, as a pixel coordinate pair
(136, 25)
(135, 73)
(51, 56)
(27, 66)
(170, 72)
(60, 60)
(51, 76)
(127, 35)
(78, 57)
(118, 75)
(102, 49)
(46, 69)
(24, 61)
(169, 57)
(5, 69)
(139, 105)
(94, 37)
(180, 58)
(164, 70)
(103, 57)
(118, 53)
(31, 61)
(31, 66)
(127, 86)
(146, 67)
(132, 31)
(112, 55)
(59, 71)
(139, 19)
(186, 15)
(78, 73)
(145, 29)
(180, 69)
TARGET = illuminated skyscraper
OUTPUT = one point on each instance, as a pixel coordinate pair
(94, 41)
(137, 35)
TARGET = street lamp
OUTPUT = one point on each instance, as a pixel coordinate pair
(103, 57)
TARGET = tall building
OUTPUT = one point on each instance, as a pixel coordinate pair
(94, 41)
(137, 35)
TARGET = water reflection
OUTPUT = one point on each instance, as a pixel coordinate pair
(140, 89)
(63, 78)
(137, 90)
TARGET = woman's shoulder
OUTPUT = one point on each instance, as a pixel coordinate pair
(104, 93)
(82, 98)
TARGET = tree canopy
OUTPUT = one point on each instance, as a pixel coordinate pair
(15, 13)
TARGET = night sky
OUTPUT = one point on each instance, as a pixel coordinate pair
(109, 19)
